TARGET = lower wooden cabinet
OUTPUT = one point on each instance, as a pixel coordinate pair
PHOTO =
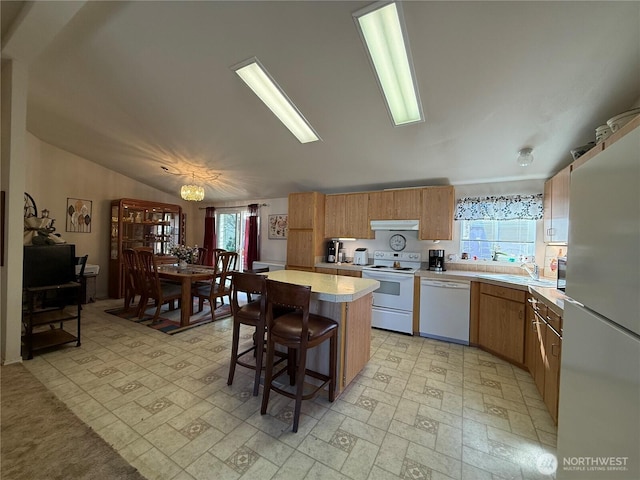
(552, 348)
(339, 271)
(544, 349)
(501, 326)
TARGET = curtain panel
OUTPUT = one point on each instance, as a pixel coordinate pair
(512, 207)
(252, 252)
(209, 234)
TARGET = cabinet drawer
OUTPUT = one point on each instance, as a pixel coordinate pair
(503, 292)
(553, 319)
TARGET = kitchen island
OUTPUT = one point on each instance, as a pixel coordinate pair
(347, 300)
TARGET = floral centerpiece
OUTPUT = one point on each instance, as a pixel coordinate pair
(184, 253)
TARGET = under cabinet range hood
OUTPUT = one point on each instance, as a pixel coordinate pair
(395, 225)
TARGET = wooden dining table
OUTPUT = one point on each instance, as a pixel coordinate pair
(186, 276)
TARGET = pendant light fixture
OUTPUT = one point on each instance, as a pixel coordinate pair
(192, 192)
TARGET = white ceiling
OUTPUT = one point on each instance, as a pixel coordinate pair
(139, 85)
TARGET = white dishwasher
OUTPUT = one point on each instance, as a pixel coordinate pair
(444, 310)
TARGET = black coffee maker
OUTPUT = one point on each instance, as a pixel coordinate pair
(333, 248)
(436, 260)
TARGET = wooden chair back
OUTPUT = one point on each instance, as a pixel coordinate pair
(226, 263)
(202, 256)
(148, 274)
(289, 295)
(247, 283)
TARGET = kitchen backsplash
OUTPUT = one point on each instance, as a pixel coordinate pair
(551, 254)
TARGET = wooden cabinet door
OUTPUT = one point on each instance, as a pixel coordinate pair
(349, 273)
(381, 205)
(334, 216)
(556, 206)
(541, 364)
(330, 271)
(357, 337)
(302, 209)
(436, 219)
(356, 216)
(300, 251)
(560, 205)
(530, 337)
(553, 346)
(501, 328)
(546, 214)
(407, 204)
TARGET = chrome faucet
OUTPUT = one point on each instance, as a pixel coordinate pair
(535, 273)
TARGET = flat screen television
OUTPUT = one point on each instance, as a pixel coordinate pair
(48, 265)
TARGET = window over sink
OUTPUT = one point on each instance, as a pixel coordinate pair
(499, 239)
(499, 228)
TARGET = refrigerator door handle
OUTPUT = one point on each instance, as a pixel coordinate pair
(575, 302)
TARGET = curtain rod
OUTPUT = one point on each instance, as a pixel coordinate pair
(234, 206)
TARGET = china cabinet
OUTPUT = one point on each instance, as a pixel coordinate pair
(140, 223)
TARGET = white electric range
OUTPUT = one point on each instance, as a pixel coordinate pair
(393, 301)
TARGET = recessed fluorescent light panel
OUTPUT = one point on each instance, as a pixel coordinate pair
(382, 29)
(265, 87)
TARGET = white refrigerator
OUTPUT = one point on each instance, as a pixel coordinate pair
(599, 410)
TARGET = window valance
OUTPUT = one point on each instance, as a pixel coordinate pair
(511, 207)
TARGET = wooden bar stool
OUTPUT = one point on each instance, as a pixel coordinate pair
(252, 313)
(298, 330)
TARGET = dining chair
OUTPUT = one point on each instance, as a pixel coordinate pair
(202, 256)
(131, 283)
(219, 287)
(153, 288)
(300, 330)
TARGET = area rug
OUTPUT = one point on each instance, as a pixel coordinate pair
(169, 320)
(43, 439)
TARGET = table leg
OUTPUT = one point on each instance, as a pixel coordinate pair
(186, 307)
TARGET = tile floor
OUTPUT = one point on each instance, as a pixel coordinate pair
(421, 409)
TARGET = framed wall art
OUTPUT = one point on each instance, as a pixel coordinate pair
(78, 215)
(278, 226)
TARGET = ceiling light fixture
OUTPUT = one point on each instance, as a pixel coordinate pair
(381, 26)
(253, 73)
(192, 192)
(525, 157)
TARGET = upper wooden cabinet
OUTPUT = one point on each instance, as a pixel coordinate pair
(303, 209)
(436, 219)
(381, 205)
(349, 214)
(407, 204)
(556, 207)
(305, 240)
(346, 215)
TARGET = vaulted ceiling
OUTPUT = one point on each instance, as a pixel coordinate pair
(135, 86)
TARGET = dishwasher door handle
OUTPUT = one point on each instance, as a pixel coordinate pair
(455, 285)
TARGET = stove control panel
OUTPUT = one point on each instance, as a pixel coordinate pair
(406, 256)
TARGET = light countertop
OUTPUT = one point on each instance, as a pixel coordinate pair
(544, 288)
(330, 288)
